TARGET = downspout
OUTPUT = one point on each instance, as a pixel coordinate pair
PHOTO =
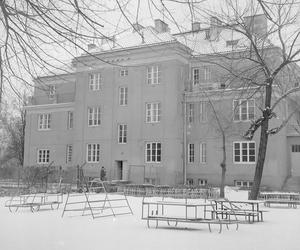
(184, 139)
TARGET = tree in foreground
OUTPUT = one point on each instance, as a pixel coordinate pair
(263, 61)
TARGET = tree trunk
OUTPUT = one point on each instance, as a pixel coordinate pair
(223, 166)
(262, 146)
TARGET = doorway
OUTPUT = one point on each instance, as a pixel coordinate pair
(119, 170)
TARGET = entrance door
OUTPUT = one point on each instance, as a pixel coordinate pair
(119, 170)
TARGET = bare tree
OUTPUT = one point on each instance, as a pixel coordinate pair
(261, 57)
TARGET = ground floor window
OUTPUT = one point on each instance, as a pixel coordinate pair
(93, 153)
(244, 152)
(150, 181)
(202, 182)
(189, 181)
(191, 152)
(153, 152)
(241, 183)
(295, 148)
(69, 153)
(43, 156)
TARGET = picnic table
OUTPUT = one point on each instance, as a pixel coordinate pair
(249, 209)
(292, 199)
(185, 211)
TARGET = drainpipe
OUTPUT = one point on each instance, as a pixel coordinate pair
(184, 139)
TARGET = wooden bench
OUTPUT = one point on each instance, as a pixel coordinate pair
(157, 212)
(290, 203)
(226, 208)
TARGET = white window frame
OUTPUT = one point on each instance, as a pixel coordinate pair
(203, 111)
(153, 112)
(202, 153)
(70, 120)
(45, 156)
(191, 112)
(191, 153)
(44, 121)
(123, 72)
(207, 73)
(93, 153)
(190, 181)
(202, 182)
(69, 153)
(123, 96)
(153, 75)
(196, 76)
(52, 91)
(240, 150)
(295, 148)
(238, 108)
(240, 183)
(122, 133)
(94, 116)
(95, 80)
(157, 150)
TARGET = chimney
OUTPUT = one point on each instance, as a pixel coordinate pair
(161, 26)
(91, 46)
(196, 26)
(257, 24)
(137, 27)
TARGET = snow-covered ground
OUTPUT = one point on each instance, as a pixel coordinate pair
(47, 230)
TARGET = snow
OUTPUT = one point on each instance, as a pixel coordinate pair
(47, 230)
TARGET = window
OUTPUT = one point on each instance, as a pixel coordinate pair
(43, 156)
(247, 184)
(243, 109)
(153, 152)
(123, 96)
(232, 42)
(189, 181)
(122, 133)
(44, 121)
(203, 111)
(207, 34)
(93, 153)
(94, 116)
(196, 76)
(153, 112)
(69, 153)
(191, 153)
(202, 182)
(52, 91)
(207, 73)
(94, 81)
(295, 148)
(153, 75)
(244, 152)
(191, 112)
(124, 72)
(202, 152)
(70, 120)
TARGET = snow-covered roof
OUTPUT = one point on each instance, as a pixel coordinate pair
(220, 40)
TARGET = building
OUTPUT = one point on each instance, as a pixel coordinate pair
(142, 110)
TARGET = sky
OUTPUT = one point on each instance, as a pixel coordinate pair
(177, 13)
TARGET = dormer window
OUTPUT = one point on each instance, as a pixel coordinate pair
(207, 34)
(232, 42)
(52, 91)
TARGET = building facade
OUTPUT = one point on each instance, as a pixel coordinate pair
(144, 111)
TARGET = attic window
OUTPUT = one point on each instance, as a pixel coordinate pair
(232, 42)
(207, 34)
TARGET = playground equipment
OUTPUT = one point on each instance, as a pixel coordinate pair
(97, 199)
(97, 202)
(34, 196)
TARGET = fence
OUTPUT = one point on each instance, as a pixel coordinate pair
(172, 192)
